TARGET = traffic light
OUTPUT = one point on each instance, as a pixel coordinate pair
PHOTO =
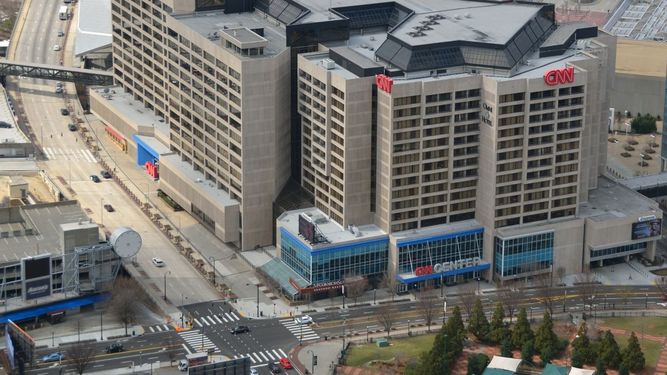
(314, 360)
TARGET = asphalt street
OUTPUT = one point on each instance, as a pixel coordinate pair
(571, 300)
(268, 339)
(148, 348)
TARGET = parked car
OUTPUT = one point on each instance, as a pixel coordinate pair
(53, 357)
(64, 111)
(115, 348)
(72, 127)
(61, 34)
(285, 363)
(59, 84)
(253, 371)
(105, 174)
(303, 319)
(56, 47)
(94, 178)
(59, 90)
(239, 329)
(274, 368)
(157, 262)
(109, 208)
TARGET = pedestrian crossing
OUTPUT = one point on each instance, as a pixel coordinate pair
(159, 328)
(198, 342)
(81, 154)
(302, 331)
(263, 356)
(205, 321)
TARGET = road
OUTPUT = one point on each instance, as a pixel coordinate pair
(572, 300)
(267, 341)
(141, 350)
(71, 164)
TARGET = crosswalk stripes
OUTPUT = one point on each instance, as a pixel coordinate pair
(159, 328)
(215, 319)
(271, 355)
(198, 342)
(300, 331)
(81, 154)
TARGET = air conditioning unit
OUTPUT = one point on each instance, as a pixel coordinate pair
(328, 64)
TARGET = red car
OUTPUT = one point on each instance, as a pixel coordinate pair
(285, 363)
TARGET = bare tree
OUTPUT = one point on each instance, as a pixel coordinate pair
(546, 291)
(125, 299)
(427, 305)
(387, 316)
(587, 284)
(80, 355)
(389, 281)
(510, 297)
(468, 297)
(560, 272)
(355, 286)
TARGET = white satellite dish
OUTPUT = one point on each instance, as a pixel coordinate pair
(126, 242)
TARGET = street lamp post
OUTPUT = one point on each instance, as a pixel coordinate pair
(101, 327)
(165, 284)
(257, 285)
(478, 279)
(646, 301)
(444, 312)
(408, 327)
(374, 295)
(564, 297)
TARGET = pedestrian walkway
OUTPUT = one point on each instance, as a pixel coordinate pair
(302, 332)
(198, 342)
(215, 319)
(267, 356)
(159, 328)
(56, 153)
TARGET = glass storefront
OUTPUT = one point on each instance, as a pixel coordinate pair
(334, 262)
(526, 255)
(618, 251)
(447, 259)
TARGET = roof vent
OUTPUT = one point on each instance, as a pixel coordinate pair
(364, 46)
(468, 15)
(457, 16)
(416, 33)
(328, 64)
(372, 38)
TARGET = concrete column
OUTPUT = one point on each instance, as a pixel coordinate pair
(650, 251)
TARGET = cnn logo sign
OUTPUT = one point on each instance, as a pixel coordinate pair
(384, 83)
(555, 77)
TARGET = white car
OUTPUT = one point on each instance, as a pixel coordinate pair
(663, 304)
(303, 319)
(158, 262)
(56, 47)
(253, 371)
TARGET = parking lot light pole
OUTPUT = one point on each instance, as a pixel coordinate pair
(165, 284)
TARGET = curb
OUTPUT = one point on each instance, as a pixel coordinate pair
(18, 29)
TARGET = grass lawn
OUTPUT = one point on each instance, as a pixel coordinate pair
(656, 326)
(651, 349)
(410, 347)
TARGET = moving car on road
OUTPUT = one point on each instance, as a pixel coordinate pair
(105, 174)
(56, 47)
(303, 319)
(239, 329)
(109, 208)
(72, 127)
(285, 363)
(157, 262)
(53, 357)
(274, 368)
(94, 178)
(64, 111)
(115, 348)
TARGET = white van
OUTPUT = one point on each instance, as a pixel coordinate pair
(182, 365)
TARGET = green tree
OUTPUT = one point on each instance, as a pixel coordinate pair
(506, 349)
(447, 346)
(547, 353)
(633, 358)
(477, 363)
(581, 347)
(498, 330)
(478, 324)
(546, 340)
(643, 124)
(527, 351)
(609, 352)
(622, 370)
(521, 332)
(599, 367)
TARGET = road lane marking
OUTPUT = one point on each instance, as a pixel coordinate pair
(234, 315)
(282, 352)
(211, 319)
(186, 348)
(151, 329)
(259, 359)
(251, 358)
(166, 327)
(229, 317)
(158, 328)
(268, 353)
(262, 354)
(276, 353)
(203, 319)
(218, 319)
(197, 321)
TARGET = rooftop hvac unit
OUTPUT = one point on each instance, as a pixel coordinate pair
(328, 64)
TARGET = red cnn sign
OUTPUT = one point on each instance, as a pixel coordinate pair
(152, 169)
(423, 270)
(384, 83)
(555, 77)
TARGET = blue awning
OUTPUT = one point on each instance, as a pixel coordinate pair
(17, 316)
